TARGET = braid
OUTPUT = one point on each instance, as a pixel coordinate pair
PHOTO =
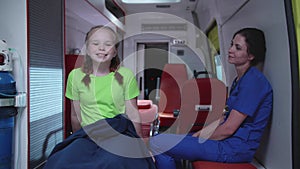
(114, 65)
(87, 69)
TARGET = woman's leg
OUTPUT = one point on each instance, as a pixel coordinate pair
(167, 148)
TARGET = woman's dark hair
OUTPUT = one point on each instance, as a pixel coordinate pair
(256, 43)
(87, 66)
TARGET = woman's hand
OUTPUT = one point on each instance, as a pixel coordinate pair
(230, 126)
(208, 130)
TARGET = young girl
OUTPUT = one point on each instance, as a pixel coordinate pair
(103, 95)
(101, 88)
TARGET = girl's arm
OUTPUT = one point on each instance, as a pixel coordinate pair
(75, 115)
(133, 114)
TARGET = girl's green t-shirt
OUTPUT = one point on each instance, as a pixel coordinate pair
(105, 97)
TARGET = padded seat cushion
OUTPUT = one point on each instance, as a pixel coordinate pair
(144, 104)
(219, 165)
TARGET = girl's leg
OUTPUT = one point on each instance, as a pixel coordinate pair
(76, 153)
(168, 147)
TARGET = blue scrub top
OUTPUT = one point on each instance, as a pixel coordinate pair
(253, 96)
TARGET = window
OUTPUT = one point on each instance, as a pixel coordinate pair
(212, 35)
(46, 78)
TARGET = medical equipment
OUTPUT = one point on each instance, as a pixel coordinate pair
(10, 101)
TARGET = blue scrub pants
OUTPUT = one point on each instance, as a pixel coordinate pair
(168, 149)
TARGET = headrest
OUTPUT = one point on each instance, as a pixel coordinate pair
(144, 104)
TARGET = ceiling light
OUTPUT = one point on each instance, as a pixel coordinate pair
(149, 1)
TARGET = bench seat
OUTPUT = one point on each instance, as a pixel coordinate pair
(219, 165)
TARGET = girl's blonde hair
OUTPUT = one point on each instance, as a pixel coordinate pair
(87, 66)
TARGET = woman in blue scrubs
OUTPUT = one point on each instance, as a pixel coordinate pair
(249, 104)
